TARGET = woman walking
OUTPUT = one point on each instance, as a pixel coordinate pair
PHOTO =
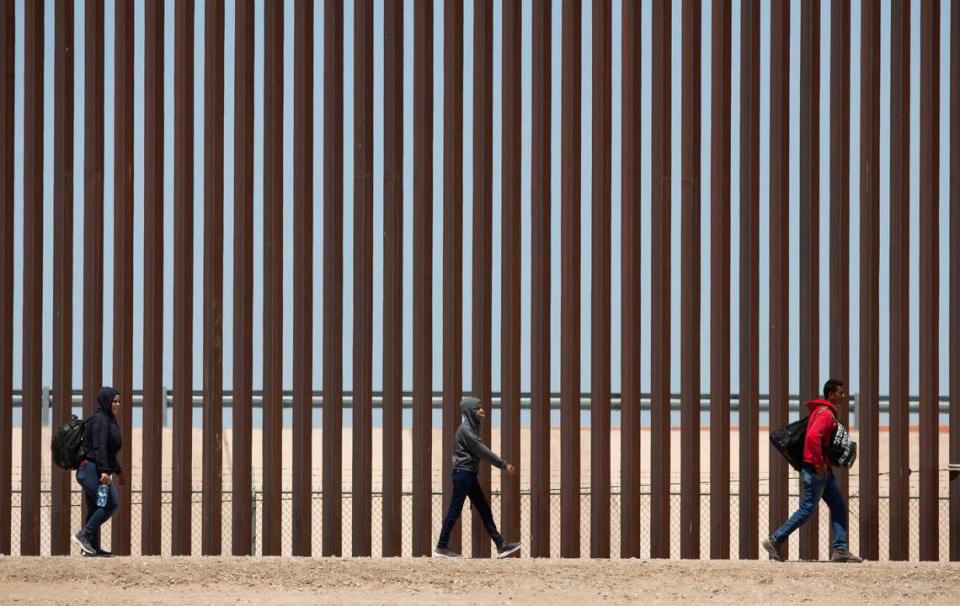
(101, 441)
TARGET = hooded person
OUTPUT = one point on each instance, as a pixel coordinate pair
(468, 450)
(818, 479)
(101, 442)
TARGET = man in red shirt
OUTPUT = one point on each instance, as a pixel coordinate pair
(818, 479)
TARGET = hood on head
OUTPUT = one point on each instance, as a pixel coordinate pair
(815, 404)
(468, 407)
(105, 399)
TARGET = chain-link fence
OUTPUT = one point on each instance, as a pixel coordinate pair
(437, 506)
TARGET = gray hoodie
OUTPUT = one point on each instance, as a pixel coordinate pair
(468, 449)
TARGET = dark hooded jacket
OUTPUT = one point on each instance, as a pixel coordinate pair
(101, 434)
(468, 448)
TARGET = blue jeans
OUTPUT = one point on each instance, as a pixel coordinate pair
(814, 489)
(89, 480)
(466, 484)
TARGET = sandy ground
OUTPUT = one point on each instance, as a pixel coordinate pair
(425, 581)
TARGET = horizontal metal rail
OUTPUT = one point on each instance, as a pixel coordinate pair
(615, 401)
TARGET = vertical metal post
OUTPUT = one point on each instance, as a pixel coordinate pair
(690, 286)
(839, 348)
(452, 242)
(363, 278)
(183, 281)
(954, 281)
(392, 275)
(749, 338)
(273, 276)
(302, 526)
(899, 531)
(660, 283)
(123, 260)
(93, 292)
(32, 277)
(630, 295)
(422, 275)
(779, 250)
(867, 400)
(63, 258)
(540, 284)
(510, 271)
(332, 275)
(244, 541)
(93, 212)
(809, 227)
(482, 234)
(570, 283)
(212, 507)
(929, 311)
(600, 288)
(7, 88)
(720, 285)
(153, 393)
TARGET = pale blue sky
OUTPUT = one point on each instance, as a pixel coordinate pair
(468, 186)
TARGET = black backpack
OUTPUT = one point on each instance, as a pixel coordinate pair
(66, 446)
(842, 451)
(789, 441)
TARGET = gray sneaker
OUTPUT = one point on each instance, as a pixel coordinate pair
(506, 549)
(443, 552)
(772, 549)
(843, 555)
(83, 541)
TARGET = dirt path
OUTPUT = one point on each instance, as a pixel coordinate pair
(422, 581)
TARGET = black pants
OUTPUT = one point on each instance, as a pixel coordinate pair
(466, 484)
